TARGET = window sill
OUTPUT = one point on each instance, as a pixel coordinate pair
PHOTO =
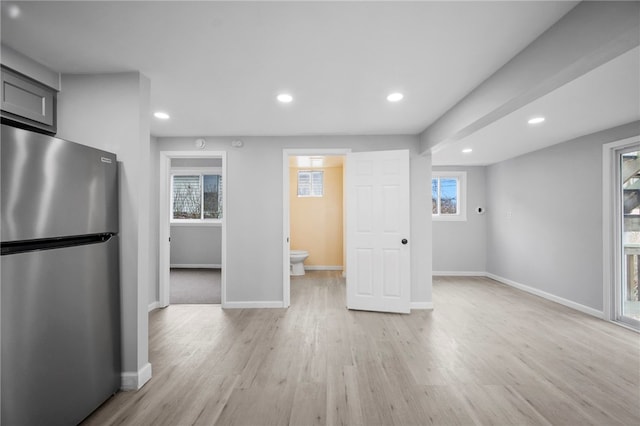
(449, 218)
(198, 223)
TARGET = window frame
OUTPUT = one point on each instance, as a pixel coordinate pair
(191, 171)
(461, 178)
(310, 171)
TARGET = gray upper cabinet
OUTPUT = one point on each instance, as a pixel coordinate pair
(28, 103)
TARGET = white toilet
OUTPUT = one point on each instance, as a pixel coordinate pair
(297, 258)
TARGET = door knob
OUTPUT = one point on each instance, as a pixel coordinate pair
(404, 241)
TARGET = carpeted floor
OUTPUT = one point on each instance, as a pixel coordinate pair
(195, 286)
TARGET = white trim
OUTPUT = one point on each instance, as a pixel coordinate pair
(557, 299)
(165, 223)
(573, 305)
(196, 265)
(286, 226)
(254, 305)
(459, 274)
(625, 325)
(197, 222)
(201, 172)
(153, 306)
(421, 305)
(461, 176)
(132, 381)
(611, 253)
(323, 268)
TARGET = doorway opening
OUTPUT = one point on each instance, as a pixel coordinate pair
(313, 219)
(377, 200)
(192, 228)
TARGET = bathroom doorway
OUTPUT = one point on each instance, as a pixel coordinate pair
(192, 228)
(313, 210)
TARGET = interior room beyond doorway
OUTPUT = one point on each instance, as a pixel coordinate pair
(316, 200)
(192, 226)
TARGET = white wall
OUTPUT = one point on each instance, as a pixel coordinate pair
(552, 240)
(421, 232)
(460, 246)
(154, 222)
(253, 206)
(111, 112)
(196, 245)
(196, 162)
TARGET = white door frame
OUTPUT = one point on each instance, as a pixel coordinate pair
(165, 223)
(286, 153)
(611, 229)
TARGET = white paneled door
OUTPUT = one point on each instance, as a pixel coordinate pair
(378, 246)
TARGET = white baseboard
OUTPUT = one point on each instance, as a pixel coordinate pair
(531, 290)
(253, 305)
(421, 305)
(322, 268)
(132, 381)
(552, 297)
(459, 274)
(196, 265)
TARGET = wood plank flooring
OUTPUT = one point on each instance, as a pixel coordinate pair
(487, 354)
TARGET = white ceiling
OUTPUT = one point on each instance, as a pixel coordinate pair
(217, 67)
(606, 97)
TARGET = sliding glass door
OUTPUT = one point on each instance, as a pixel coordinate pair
(625, 294)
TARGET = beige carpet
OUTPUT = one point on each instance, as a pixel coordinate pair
(194, 286)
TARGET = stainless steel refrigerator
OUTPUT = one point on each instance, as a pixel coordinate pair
(60, 293)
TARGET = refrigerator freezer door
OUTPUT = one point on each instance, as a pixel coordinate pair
(53, 188)
(60, 333)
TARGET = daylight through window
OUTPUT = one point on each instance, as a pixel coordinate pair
(447, 195)
(196, 197)
(444, 195)
(310, 183)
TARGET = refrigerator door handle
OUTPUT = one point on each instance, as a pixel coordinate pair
(15, 247)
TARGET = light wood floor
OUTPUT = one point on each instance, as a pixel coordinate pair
(487, 354)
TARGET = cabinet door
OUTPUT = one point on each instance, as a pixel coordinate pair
(27, 101)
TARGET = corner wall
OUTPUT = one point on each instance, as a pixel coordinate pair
(460, 247)
(111, 112)
(544, 212)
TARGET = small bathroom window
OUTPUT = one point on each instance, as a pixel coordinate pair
(310, 183)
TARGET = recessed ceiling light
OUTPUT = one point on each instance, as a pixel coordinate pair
(467, 150)
(161, 115)
(536, 120)
(14, 11)
(285, 98)
(395, 97)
